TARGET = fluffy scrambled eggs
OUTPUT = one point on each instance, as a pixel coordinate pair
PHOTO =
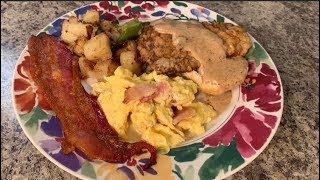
(152, 119)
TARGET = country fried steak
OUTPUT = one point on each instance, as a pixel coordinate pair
(158, 51)
(236, 40)
(203, 51)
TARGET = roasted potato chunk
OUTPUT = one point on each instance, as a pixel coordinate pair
(99, 70)
(85, 66)
(79, 43)
(72, 30)
(128, 46)
(98, 48)
(128, 61)
(103, 69)
(91, 17)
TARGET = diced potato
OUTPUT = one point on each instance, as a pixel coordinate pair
(73, 20)
(91, 17)
(85, 66)
(94, 32)
(103, 69)
(79, 43)
(128, 61)
(128, 46)
(99, 70)
(131, 46)
(72, 30)
(98, 48)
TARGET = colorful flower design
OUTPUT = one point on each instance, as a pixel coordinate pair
(57, 27)
(175, 13)
(107, 10)
(75, 160)
(267, 88)
(252, 123)
(27, 96)
(148, 6)
(110, 10)
(162, 4)
(52, 128)
(133, 169)
(201, 12)
(139, 165)
(132, 12)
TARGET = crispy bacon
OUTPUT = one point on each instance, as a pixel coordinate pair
(55, 71)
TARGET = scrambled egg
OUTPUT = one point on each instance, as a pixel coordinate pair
(194, 126)
(152, 120)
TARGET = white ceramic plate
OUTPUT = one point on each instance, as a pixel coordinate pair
(239, 135)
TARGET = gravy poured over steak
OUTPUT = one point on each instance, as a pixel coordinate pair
(216, 73)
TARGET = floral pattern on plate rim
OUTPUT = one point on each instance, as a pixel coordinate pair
(222, 153)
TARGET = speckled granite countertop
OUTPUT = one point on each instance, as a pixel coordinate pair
(288, 30)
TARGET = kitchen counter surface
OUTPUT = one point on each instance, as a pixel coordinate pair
(289, 31)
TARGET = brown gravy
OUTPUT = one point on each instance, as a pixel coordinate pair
(204, 45)
(220, 102)
(208, 49)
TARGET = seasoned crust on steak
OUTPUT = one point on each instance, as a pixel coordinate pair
(175, 65)
(236, 40)
(158, 51)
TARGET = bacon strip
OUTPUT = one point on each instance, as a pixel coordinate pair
(55, 71)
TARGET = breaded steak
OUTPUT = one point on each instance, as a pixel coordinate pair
(158, 51)
(236, 40)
